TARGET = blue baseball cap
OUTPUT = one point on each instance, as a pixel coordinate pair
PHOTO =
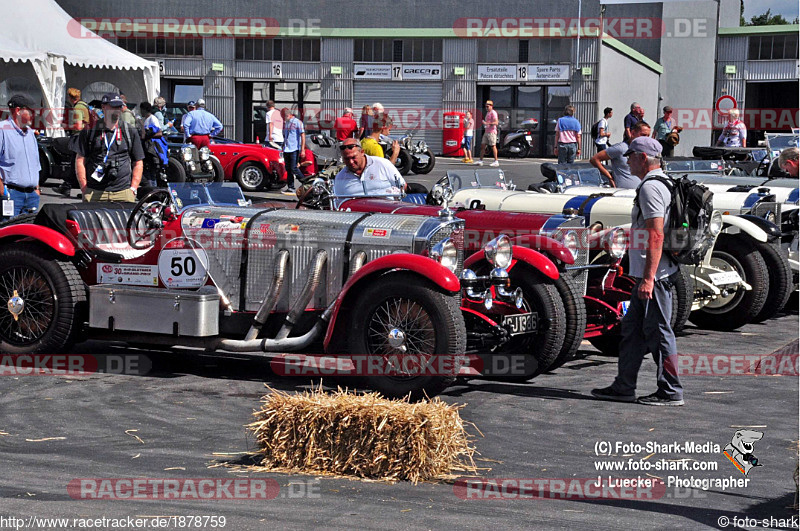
(112, 99)
(191, 104)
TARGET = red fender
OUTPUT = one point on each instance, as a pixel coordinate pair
(544, 243)
(57, 241)
(522, 254)
(423, 266)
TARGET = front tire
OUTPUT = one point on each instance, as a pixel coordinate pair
(541, 296)
(251, 176)
(403, 162)
(424, 168)
(219, 173)
(50, 295)
(735, 252)
(575, 311)
(175, 171)
(428, 320)
(781, 283)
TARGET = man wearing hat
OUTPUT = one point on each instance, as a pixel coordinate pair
(19, 157)
(489, 138)
(192, 105)
(200, 125)
(646, 326)
(108, 160)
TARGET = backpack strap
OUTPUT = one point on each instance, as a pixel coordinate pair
(669, 183)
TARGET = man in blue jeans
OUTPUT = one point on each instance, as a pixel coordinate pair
(19, 157)
(568, 137)
(294, 143)
(646, 326)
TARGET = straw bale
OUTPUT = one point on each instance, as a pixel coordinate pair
(362, 435)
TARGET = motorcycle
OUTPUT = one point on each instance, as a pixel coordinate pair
(518, 143)
(422, 157)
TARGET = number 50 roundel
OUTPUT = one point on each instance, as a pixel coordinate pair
(183, 264)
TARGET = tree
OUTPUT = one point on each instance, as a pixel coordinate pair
(767, 19)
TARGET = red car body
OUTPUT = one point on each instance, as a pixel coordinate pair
(253, 166)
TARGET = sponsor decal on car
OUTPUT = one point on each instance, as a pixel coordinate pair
(377, 233)
(131, 274)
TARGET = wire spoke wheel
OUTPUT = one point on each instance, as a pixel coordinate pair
(30, 305)
(401, 331)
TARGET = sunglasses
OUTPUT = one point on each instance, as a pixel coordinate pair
(346, 147)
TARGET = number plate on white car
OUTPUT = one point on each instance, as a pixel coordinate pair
(727, 277)
(521, 323)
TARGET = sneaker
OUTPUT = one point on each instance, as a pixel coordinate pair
(495, 163)
(464, 160)
(608, 393)
(657, 400)
(479, 163)
(288, 191)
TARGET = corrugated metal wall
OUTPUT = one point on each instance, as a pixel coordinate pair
(459, 92)
(731, 51)
(183, 68)
(336, 92)
(771, 70)
(219, 87)
(584, 91)
(411, 103)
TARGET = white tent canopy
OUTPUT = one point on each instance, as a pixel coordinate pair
(53, 42)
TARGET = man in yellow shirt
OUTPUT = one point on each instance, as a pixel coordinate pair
(371, 145)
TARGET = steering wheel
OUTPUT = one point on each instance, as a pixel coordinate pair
(454, 183)
(147, 219)
(764, 163)
(315, 197)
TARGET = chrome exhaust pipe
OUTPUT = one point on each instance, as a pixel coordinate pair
(271, 299)
(320, 259)
(358, 262)
(279, 345)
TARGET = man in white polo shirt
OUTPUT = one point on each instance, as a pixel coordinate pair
(364, 175)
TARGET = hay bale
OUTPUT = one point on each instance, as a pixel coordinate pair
(362, 435)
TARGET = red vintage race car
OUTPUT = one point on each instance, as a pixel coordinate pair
(253, 166)
(196, 265)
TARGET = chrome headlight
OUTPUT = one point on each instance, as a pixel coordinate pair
(205, 153)
(186, 153)
(445, 253)
(571, 241)
(498, 252)
(715, 225)
(615, 243)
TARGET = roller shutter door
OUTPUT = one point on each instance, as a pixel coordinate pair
(416, 103)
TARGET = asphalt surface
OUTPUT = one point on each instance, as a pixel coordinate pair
(183, 412)
(169, 423)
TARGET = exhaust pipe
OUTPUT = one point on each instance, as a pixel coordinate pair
(305, 296)
(358, 262)
(279, 345)
(271, 299)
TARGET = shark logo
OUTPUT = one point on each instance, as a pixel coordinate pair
(740, 450)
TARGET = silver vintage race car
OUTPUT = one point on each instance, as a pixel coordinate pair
(198, 266)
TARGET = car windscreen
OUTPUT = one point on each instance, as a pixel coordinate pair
(193, 194)
(778, 143)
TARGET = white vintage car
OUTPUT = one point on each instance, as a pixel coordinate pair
(732, 285)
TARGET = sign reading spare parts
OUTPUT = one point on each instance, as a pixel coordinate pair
(398, 72)
(524, 72)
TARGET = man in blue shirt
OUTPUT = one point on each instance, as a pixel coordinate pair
(19, 157)
(568, 136)
(200, 125)
(294, 143)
